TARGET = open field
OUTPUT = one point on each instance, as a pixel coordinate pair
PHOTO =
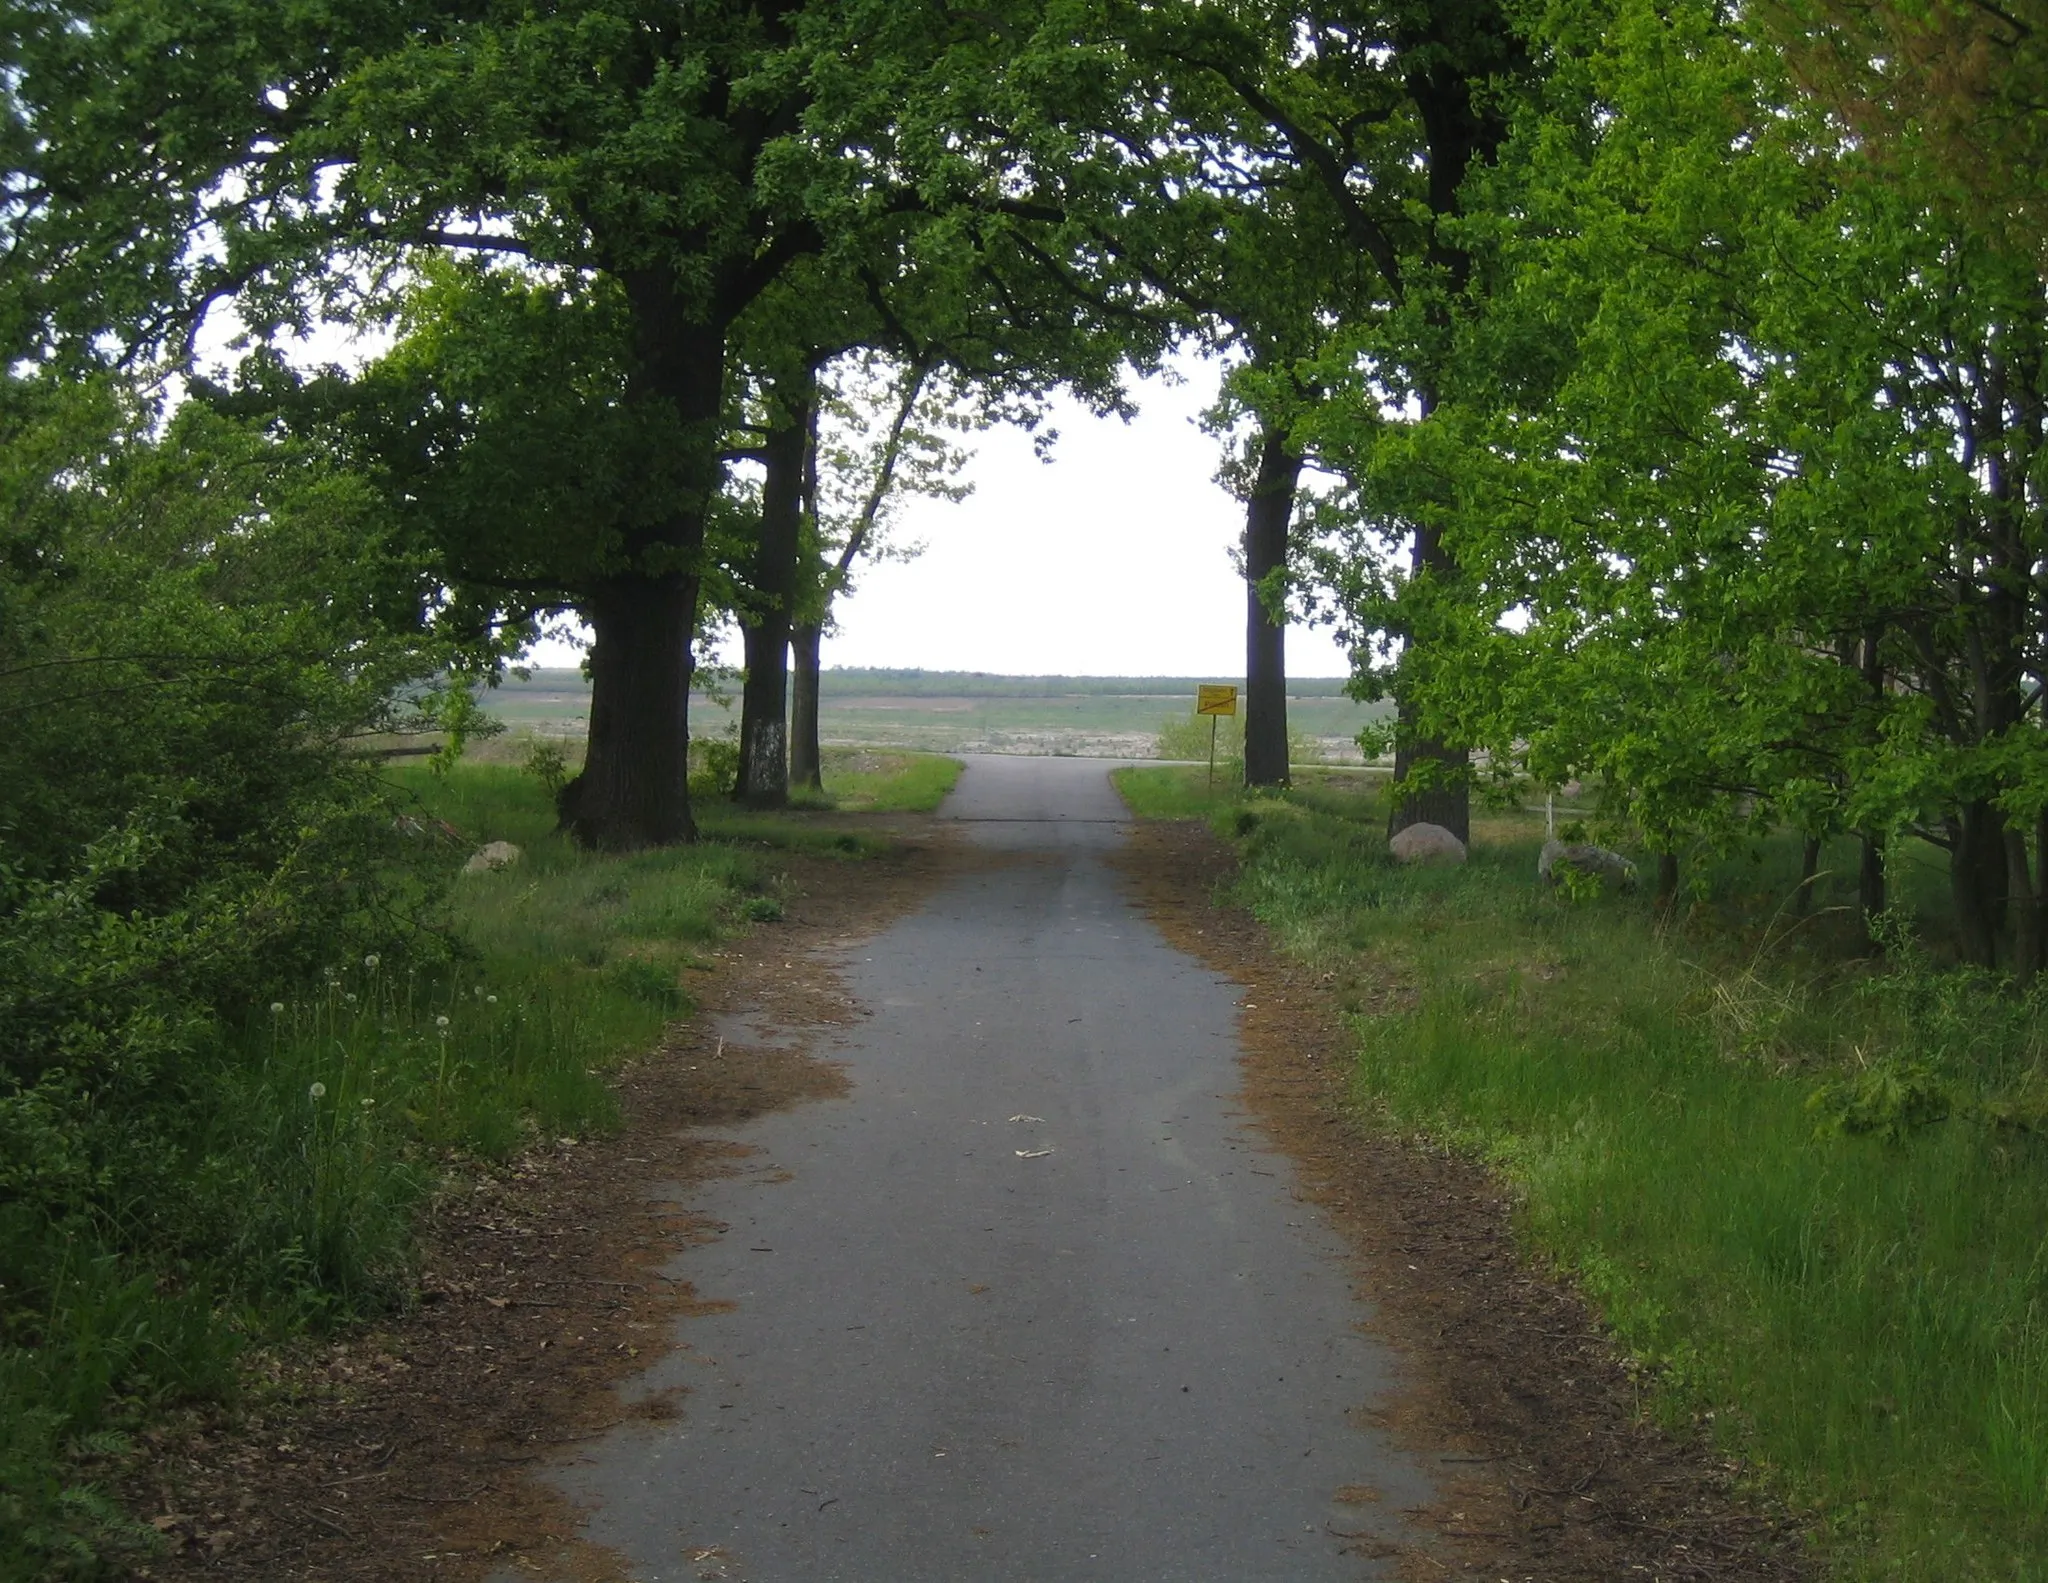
(950, 712)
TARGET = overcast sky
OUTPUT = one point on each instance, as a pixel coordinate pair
(1111, 560)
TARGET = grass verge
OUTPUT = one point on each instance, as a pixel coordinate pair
(861, 780)
(1809, 1195)
(295, 1146)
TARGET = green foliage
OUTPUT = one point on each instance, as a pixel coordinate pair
(546, 763)
(1947, 92)
(1891, 1100)
(1726, 539)
(197, 624)
(1187, 737)
(714, 763)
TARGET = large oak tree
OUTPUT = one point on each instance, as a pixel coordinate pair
(682, 156)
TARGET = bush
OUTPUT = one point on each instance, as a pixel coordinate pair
(1187, 737)
(194, 629)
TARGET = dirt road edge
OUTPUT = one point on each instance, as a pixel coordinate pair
(1552, 1472)
(408, 1451)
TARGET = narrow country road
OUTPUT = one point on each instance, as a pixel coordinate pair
(1031, 1302)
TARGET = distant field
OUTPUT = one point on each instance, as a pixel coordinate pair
(965, 712)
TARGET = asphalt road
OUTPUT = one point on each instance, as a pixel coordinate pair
(1032, 1302)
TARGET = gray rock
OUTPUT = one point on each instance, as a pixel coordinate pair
(1426, 843)
(492, 856)
(1585, 858)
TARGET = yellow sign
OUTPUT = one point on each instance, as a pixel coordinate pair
(1215, 700)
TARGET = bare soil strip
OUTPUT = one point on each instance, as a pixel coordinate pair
(1553, 1473)
(403, 1453)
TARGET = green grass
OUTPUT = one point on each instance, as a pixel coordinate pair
(1811, 1195)
(1183, 793)
(859, 780)
(309, 1131)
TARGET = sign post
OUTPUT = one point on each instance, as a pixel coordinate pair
(1215, 702)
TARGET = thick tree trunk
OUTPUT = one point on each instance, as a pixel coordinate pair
(806, 763)
(1447, 800)
(1267, 515)
(772, 571)
(2023, 906)
(1870, 899)
(1667, 881)
(634, 789)
(1976, 869)
(762, 779)
(1809, 871)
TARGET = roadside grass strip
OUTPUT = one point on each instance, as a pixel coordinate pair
(302, 1136)
(1807, 1193)
(860, 780)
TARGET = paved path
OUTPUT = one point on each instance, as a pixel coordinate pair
(1133, 1357)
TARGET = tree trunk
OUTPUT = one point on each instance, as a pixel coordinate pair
(1447, 800)
(1870, 900)
(1667, 881)
(762, 779)
(806, 763)
(1976, 871)
(1809, 870)
(634, 789)
(2023, 906)
(772, 572)
(1267, 514)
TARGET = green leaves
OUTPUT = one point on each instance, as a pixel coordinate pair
(1727, 462)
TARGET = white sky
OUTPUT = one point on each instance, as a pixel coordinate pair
(1111, 560)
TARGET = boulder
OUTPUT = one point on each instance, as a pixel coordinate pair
(1585, 858)
(1426, 843)
(492, 856)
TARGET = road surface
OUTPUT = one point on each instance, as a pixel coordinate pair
(1032, 1302)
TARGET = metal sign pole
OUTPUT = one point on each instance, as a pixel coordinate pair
(1212, 752)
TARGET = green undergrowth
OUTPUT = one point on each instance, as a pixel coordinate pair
(1808, 1192)
(271, 1188)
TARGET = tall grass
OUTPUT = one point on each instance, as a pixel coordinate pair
(1810, 1193)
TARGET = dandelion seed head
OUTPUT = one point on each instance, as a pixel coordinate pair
(490, 1000)
(316, 1091)
(371, 960)
(277, 1008)
(440, 1022)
